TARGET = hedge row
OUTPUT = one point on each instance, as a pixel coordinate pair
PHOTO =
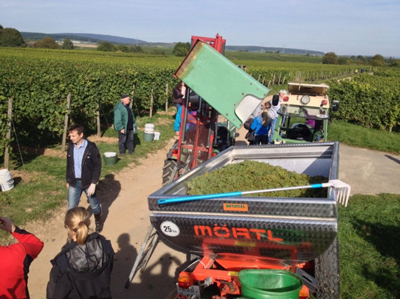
(369, 100)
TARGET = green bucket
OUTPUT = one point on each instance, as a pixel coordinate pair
(260, 284)
(110, 158)
(148, 136)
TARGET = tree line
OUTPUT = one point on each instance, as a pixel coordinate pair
(10, 37)
(376, 60)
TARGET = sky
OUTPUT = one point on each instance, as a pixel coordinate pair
(346, 27)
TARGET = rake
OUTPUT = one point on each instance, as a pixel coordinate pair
(342, 193)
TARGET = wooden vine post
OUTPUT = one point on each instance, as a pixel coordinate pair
(98, 119)
(8, 134)
(64, 139)
(133, 93)
(166, 97)
(151, 103)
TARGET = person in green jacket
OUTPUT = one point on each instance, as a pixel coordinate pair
(124, 124)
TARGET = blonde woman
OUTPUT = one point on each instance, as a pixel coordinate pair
(83, 267)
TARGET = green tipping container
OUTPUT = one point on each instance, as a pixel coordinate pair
(148, 136)
(260, 284)
(221, 83)
(110, 158)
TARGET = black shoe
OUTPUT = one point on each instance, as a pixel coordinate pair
(98, 222)
(122, 155)
(132, 153)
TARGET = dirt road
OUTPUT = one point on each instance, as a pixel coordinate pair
(124, 200)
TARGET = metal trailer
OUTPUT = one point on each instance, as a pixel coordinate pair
(222, 236)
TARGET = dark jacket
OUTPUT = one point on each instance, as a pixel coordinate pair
(82, 271)
(121, 118)
(177, 93)
(250, 135)
(91, 165)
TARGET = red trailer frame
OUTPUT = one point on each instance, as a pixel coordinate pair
(224, 270)
(200, 150)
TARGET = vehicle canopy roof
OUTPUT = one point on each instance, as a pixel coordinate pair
(309, 89)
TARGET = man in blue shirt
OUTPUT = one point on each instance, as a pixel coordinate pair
(83, 172)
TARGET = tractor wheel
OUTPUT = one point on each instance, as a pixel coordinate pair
(169, 170)
(327, 272)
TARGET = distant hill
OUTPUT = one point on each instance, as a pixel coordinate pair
(83, 37)
(108, 38)
(97, 38)
(273, 50)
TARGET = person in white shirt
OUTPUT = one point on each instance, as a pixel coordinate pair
(274, 111)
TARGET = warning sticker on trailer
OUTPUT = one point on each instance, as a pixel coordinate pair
(170, 229)
(235, 207)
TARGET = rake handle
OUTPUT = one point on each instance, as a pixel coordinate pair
(313, 186)
(198, 197)
(237, 193)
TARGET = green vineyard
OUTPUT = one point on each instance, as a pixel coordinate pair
(39, 81)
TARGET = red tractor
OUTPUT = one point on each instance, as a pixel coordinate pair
(209, 132)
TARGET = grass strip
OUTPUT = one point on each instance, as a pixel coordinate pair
(39, 185)
(358, 136)
(369, 247)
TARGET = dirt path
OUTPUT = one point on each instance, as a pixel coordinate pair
(124, 200)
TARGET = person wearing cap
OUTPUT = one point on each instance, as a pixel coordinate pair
(276, 106)
(124, 124)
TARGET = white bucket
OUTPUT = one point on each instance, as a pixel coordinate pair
(156, 135)
(110, 154)
(8, 185)
(149, 128)
(5, 175)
